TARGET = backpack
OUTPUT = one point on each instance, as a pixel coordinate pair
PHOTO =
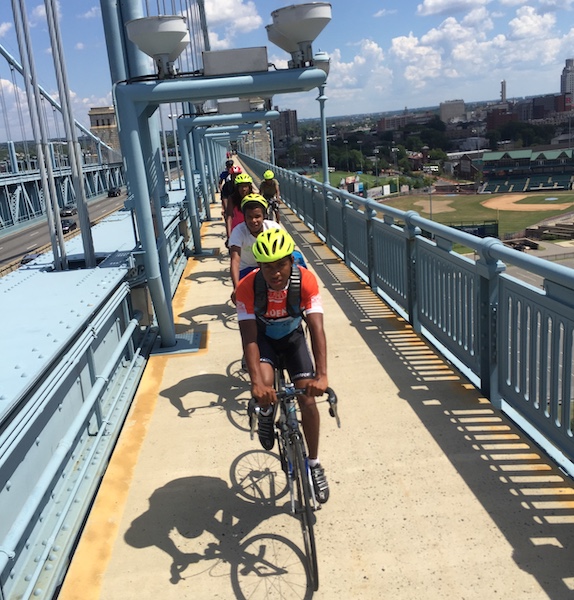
(293, 294)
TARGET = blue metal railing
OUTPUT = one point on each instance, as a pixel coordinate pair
(514, 341)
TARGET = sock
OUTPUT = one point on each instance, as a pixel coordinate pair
(313, 462)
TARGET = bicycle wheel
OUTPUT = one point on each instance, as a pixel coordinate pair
(304, 510)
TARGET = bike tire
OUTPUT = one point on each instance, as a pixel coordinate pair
(304, 509)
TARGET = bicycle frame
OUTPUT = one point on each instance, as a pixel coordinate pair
(288, 434)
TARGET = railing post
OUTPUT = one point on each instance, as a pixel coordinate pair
(344, 231)
(488, 269)
(370, 215)
(328, 240)
(411, 231)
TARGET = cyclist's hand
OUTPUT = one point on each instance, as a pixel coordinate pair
(317, 386)
(233, 297)
(265, 395)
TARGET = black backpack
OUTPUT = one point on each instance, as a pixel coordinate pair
(293, 294)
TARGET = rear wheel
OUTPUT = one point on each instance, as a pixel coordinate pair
(304, 510)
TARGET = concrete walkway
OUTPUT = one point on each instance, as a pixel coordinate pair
(433, 493)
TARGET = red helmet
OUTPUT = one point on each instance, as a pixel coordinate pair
(235, 170)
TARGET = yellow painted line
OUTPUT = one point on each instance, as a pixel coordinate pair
(84, 578)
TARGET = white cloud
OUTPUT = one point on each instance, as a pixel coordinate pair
(439, 7)
(529, 24)
(5, 28)
(229, 22)
(93, 13)
(80, 46)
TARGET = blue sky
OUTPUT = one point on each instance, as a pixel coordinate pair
(385, 54)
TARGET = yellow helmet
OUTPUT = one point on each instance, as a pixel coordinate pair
(254, 198)
(268, 174)
(272, 245)
(243, 178)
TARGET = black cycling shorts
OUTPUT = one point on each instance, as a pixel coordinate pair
(291, 351)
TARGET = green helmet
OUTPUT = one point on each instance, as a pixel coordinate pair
(268, 174)
(272, 245)
(243, 178)
(257, 198)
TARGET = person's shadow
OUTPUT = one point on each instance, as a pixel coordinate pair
(226, 391)
(189, 506)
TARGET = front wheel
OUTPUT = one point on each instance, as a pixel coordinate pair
(304, 509)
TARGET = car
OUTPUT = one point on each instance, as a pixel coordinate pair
(28, 258)
(69, 211)
(68, 225)
(114, 191)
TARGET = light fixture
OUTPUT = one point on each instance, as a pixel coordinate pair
(295, 28)
(162, 37)
(322, 61)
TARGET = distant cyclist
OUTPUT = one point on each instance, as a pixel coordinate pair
(269, 189)
(272, 329)
(224, 175)
(242, 238)
(242, 186)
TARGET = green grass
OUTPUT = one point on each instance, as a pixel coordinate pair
(469, 209)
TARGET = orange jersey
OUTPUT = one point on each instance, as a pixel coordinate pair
(276, 318)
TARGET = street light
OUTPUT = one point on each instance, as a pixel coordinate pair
(361, 151)
(394, 150)
(346, 142)
(322, 61)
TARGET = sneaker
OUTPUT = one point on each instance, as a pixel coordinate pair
(320, 484)
(265, 429)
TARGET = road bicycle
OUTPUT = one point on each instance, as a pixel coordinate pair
(273, 210)
(293, 457)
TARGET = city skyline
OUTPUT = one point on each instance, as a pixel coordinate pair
(385, 56)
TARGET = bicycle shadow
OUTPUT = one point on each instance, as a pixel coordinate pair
(226, 313)
(228, 391)
(190, 507)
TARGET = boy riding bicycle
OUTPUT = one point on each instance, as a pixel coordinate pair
(274, 331)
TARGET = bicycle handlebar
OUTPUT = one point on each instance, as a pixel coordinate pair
(291, 390)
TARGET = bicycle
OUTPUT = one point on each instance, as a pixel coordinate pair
(273, 209)
(293, 457)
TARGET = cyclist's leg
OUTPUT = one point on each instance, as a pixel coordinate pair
(268, 360)
(300, 367)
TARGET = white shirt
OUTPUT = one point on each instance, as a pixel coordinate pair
(244, 239)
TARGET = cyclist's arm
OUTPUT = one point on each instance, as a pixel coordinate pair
(277, 193)
(262, 392)
(235, 254)
(317, 386)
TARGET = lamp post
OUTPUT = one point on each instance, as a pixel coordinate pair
(394, 150)
(322, 61)
(361, 151)
(377, 165)
(346, 142)
(271, 144)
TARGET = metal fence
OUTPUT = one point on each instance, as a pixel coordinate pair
(512, 340)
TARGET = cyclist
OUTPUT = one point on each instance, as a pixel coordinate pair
(226, 190)
(224, 175)
(269, 189)
(242, 186)
(254, 207)
(275, 331)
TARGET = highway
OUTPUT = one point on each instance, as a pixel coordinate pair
(13, 246)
